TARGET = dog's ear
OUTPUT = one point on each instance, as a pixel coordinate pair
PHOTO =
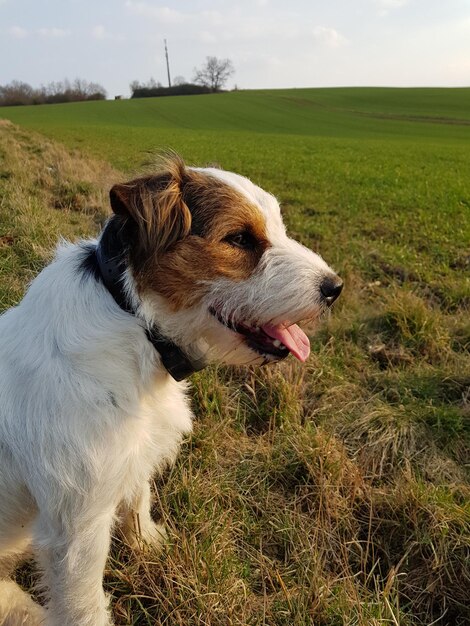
(155, 205)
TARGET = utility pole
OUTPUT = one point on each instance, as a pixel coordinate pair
(167, 64)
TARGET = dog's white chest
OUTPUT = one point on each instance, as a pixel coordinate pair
(151, 439)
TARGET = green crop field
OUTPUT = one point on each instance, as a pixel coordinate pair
(332, 493)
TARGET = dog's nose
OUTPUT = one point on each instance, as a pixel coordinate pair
(330, 289)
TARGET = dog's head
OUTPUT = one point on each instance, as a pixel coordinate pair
(211, 264)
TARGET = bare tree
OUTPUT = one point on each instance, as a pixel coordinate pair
(214, 73)
(17, 93)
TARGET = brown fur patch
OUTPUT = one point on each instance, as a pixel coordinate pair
(155, 207)
(182, 220)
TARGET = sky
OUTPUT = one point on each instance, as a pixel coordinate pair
(271, 43)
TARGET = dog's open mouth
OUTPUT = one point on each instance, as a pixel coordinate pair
(271, 340)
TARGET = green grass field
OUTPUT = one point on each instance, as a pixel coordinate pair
(334, 493)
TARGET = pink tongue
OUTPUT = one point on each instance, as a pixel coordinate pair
(293, 338)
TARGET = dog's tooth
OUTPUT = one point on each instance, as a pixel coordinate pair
(277, 343)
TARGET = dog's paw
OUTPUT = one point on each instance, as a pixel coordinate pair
(154, 536)
(17, 608)
(151, 536)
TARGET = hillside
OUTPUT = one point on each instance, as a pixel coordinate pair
(295, 117)
(332, 493)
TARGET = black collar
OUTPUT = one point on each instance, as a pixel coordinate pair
(111, 260)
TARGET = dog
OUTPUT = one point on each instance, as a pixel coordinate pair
(194, 266)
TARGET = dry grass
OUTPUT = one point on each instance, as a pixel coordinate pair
(45, 192)
(335, 493)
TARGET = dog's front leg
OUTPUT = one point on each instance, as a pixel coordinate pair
(137, 526)
(73, 556)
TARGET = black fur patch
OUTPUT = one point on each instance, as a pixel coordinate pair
(112, 242)
(88, 264)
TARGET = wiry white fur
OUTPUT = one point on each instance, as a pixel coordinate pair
(87, 412)
(86, 416)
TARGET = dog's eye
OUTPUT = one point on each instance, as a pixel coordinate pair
(244, 240)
